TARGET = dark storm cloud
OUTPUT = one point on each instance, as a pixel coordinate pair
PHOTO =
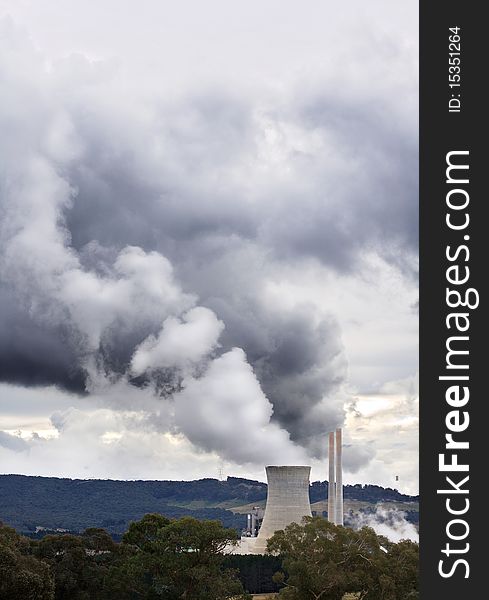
(299, 363)
(169, 183)
(368, 200)
(357, 193)
(230, 192)
(32, 353)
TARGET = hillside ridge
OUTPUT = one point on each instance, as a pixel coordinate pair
(33, 504)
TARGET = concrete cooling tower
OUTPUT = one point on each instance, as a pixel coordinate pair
(287, 502)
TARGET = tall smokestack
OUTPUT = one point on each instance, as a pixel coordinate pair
(339, 480)
(331, 480)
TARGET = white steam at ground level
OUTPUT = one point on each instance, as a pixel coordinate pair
(391, 523)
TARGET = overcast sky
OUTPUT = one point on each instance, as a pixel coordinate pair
(208, 237)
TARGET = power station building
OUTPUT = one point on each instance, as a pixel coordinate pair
(288, 499)
(287, 502)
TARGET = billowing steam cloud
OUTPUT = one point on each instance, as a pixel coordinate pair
(179, 343)
(226, 410)
(138, 245)
(391, 523)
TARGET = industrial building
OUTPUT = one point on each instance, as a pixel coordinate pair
(288, 499)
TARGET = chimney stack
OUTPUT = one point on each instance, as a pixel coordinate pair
(335, 483)
(331, 481)
(339, 479)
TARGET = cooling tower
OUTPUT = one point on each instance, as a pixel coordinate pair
(287, 501)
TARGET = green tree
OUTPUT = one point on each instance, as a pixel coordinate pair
(22, 577)
(174, 560)
(323, 562)
(402, 571)
(144, 533)
(80, 564)
(255, 571)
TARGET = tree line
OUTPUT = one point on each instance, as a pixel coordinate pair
(28, 502)
(188, 559)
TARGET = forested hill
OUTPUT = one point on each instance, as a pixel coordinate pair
(33, 504)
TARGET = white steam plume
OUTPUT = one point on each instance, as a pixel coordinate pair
(391, 523)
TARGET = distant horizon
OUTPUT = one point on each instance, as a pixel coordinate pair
(200, 479)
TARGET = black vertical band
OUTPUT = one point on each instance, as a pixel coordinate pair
(454, 256)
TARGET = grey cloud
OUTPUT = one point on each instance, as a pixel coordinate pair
(357, 456)
(12, 442)
(229, 191)
(171, 189)
(368, 199)
(36, 353)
